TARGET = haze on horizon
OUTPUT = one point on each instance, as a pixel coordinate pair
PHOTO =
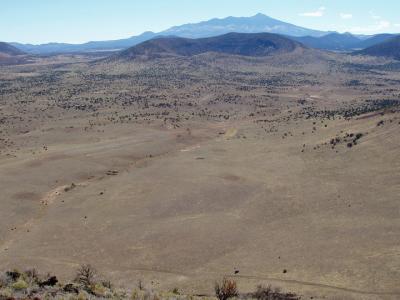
(73, 21)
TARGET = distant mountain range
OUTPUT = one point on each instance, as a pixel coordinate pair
(333, 41)
(389, 48)
(342, 41)
(52, 48)
(215, 27)
(245, 44)
(256, 24)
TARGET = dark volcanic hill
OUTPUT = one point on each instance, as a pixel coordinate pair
(10, 55)
(389, 49)
(246, 44)
(9, 50)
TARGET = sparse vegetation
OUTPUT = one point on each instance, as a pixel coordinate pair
(27, 285)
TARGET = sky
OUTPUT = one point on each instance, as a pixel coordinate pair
(78, 21)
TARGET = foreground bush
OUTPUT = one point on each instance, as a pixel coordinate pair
(226, 289)
(85, 276)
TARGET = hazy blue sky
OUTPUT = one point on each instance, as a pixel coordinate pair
(76, 21)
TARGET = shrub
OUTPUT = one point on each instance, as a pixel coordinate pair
(82, 295)
(135, 295)
(71, 288)
(13, 275)
(226, 289)
(99, 290)
(32, 275)
(140, 285)
(6, 293)
(51, 281)
(107, 284)
(20, 284)
(263, 293)
(267, 293)
(85, 276)
(3, 281)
